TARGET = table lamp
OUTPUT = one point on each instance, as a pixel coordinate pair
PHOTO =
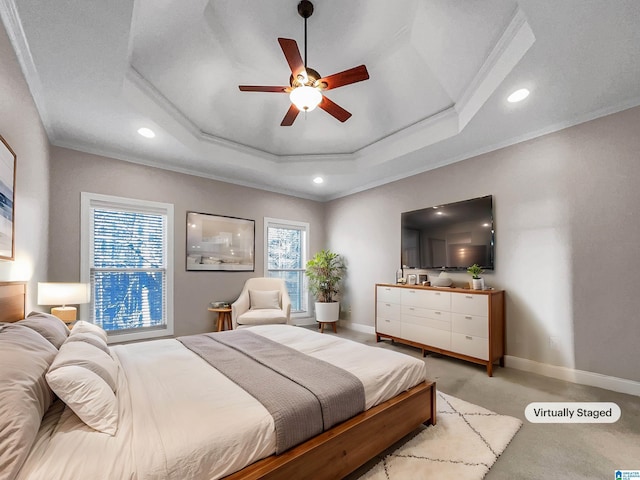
(64, 294)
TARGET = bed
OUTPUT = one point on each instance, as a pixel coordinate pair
(177, 417)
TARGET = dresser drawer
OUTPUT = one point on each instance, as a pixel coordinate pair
(433, 337)
(476, 347)
(426, 313)
(388, 310)
(433, 300)
(388, 294)
(388, 326)
(470, 304)
(470, 325)
(427, 322)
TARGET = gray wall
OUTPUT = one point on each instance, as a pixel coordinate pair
(567, 209)
(21, 127)
(73, 172)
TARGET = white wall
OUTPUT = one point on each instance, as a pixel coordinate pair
(567, 209)
(22, 129)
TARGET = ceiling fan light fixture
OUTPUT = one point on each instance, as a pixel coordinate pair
(305, 98)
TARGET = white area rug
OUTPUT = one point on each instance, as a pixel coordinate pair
(464, 444)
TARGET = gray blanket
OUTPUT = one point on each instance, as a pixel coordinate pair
(304, 395)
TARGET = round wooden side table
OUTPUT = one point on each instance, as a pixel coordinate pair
(224, 318)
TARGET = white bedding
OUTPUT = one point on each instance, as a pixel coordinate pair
(180, 418)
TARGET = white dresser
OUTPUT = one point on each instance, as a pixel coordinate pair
(466, 324)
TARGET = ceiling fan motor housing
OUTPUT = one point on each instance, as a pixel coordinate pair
(312, 75)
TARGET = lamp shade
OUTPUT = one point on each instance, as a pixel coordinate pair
(305, 98)
(63, 293)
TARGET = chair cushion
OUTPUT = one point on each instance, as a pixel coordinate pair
(263, 316)
(264, 299)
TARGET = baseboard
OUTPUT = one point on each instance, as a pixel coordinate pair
(575, 376)
(357, 327)
(304, 321)
(581, 377)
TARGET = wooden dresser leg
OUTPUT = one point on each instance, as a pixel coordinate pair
(490, 369)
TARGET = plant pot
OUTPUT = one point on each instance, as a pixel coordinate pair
(478, 283)
(327, 312)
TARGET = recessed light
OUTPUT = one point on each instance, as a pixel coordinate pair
(518, 95)
(318, 180)
(146, 132)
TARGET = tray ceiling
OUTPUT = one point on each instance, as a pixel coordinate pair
(439, 74)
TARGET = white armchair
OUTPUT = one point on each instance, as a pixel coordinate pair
(262, 301)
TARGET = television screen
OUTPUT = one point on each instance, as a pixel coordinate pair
(452, 236)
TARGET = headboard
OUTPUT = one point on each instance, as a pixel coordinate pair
(12, 301)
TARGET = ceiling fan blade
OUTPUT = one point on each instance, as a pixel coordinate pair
(291, 115)
(292, 54)
(262, 88)
(334, 109)
(353, 75)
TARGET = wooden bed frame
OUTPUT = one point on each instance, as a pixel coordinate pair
(331, 455)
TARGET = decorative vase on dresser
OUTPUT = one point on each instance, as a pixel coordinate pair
(461, 323)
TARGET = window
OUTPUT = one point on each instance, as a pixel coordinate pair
(127, 256)
(286, 256)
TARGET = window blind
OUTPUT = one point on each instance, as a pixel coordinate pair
(128, 269)
(286, 259)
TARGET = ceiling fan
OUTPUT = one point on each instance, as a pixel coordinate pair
(306, 86)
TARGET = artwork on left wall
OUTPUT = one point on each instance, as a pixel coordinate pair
(219, 243)
(7, 198)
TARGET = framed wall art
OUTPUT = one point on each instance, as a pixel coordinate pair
(220, 243)
(7, 198)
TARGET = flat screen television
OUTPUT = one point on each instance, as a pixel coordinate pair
(450, 237)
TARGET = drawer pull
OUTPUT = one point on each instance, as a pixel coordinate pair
(468, 296)
(388, 321)
(468, 337)
(388, 289)
(411, 308)
(438, 313)
(388, 304)
(468, 318)
(437, 293)
(412, 291)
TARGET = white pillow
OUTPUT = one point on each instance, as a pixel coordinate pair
(90, 398)
(264, 299)
(85, 355)
(86, 327)
(95, 340)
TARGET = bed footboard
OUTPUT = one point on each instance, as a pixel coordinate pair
(339, 451)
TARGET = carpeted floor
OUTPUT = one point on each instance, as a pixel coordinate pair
(465, 443)
(538, 451)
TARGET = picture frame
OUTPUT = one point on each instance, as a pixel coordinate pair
(219, 243)
(8, 161)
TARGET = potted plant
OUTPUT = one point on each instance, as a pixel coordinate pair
(477, 281)
(325, 271)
